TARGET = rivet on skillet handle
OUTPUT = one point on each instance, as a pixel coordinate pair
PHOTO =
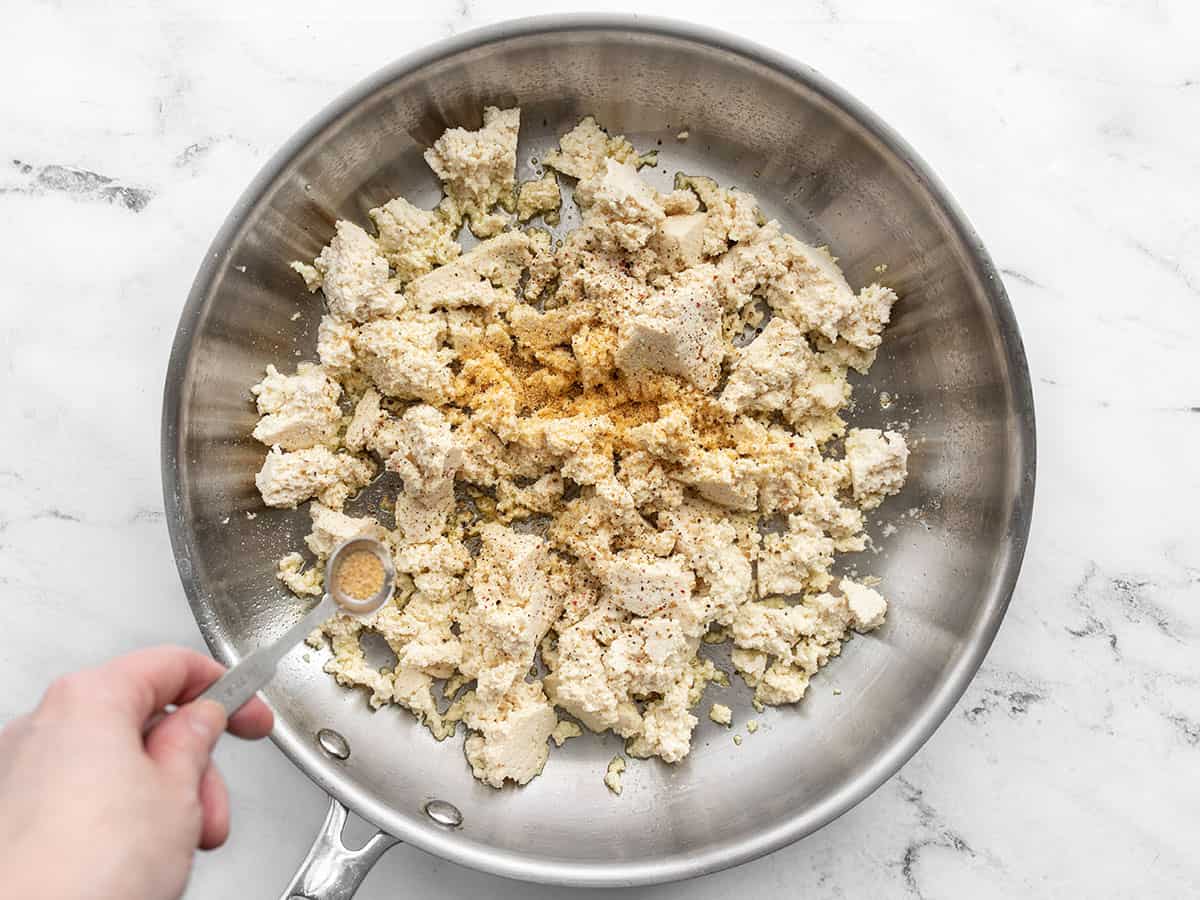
(331, 871)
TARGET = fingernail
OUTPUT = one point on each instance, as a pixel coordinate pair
(207, 718)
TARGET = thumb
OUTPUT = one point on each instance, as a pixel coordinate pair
(183, 741)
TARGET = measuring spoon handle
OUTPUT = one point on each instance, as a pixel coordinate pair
(235, 688)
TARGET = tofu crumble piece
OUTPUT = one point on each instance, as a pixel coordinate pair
(612, 775)
(867, 606)
(597, 451)
(414, 241)
(288, 479)
(582, 153)
(354, 276)
(331, 527)
(298, 411)
(878, 464)
(564, 731)
(509, 743)
(306, 583)
(677, 332)
(539, 197)
(478, 169)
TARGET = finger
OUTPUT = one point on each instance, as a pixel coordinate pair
(182, 742)
(214, 801)
(157, 676)
(15, 727)
(253, 721)
(12, 736)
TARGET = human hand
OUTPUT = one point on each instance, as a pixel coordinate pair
(94, 809)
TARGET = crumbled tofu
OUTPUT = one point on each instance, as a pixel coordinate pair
(651, 656)
(582, 154)
(288, 479)
(365, 423)
(627, 207)
(584, 149)
(721, 714)
(312, 278)
(478, 169)
(867, 607)
(539, 197)
(812, 292)
(804, 285)
(750, 664)
(579, 682)
(863, 327)
(721, 478)
(414, 241)
(512, 610)
(680, 202)
(587, 474)
(426, 457)
(795, 561)
(564, 731)
(331, 528)
(799, 638)
(298, 411)
(645, 584)
(677, 332)
(485, 277)
(305, 582)
(771, 372)
(406, 359)
(680, 240)
(612, 775)
(732, 215)
(349, 664)
(543, 267)
(510, 743)
(335, 346)
(542, 496)
(667, 726)
(354, 276)
(710, 543)
(878, 464)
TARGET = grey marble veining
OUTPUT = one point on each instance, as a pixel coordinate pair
(1066, 131)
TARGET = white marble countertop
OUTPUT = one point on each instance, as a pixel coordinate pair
(1068, 134)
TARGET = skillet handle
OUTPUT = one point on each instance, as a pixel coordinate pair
(331, 871)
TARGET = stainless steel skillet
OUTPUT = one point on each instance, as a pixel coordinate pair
(952, 362)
